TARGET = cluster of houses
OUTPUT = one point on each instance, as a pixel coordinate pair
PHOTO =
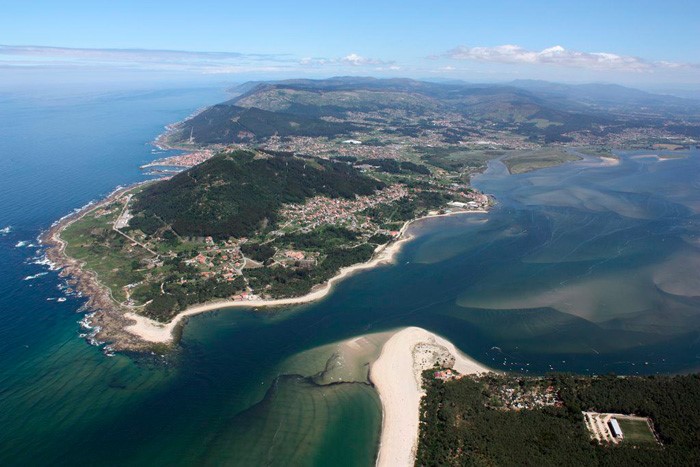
(225, 261)
(473, 199)
(446, 374)
(183, 160)
(320, 210)
(296, 258)
(527, 397)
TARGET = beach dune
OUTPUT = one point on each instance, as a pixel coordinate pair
(397, 376)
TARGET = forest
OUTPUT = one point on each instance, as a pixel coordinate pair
(458, 427)
(225, 124)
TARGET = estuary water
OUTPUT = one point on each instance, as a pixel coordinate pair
(585, 267)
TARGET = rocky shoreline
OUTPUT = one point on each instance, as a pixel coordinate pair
(107, 322)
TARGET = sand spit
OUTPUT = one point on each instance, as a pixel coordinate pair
(155, 332)
(397, 377)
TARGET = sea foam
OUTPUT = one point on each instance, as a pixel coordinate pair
(29, 278)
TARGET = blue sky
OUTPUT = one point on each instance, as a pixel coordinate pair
(630, 42)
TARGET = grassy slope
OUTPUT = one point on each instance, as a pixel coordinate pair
(92, 240)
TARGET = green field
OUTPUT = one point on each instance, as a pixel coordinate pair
(527, 161)
(635, 431)
(457, 158)
(597, 151)
(104, 251)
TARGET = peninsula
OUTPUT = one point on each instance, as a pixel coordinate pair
(292, 186)
(243, 228)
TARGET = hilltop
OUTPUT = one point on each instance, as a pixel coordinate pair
(537, 111)
(228, 123)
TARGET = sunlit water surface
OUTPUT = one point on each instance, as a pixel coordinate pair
(584, 267)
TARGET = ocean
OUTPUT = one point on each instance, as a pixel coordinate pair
(584, 267)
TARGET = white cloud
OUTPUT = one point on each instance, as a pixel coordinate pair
(351, 59)
(354, 59)
(181, 61)
(143, 59)
(358, 60)
(559, 56)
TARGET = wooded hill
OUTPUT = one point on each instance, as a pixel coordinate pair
(541, 111)
(236, 194)
(226, 123)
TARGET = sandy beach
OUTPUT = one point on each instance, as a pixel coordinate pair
(397, 377)
(610, 161)
(153, 331)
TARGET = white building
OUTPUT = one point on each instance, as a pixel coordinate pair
(615, 428)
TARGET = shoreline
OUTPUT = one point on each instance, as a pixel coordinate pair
(107, 320)
(161, 142)
(396, 375)
(156, 332)
(124, 330)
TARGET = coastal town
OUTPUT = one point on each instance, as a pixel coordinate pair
(319, 210)
(188, 159)
(458, 157)
(400, 134)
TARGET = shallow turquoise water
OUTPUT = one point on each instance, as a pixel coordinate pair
(579, 268)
